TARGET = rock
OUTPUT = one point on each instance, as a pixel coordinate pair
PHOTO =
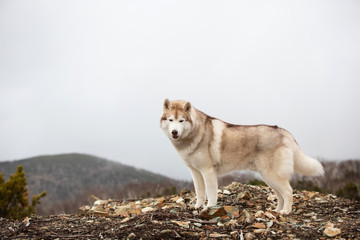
(259, 214)
(213, 212)
(98, 205)
(165, 231)
(184, 191)
(233, 211)
(218, 235)
(256, 231)
(100, 213)
(148, 209)
(226, 192)
(235, 235)
(270, 215)
(311, 194)
(329, 224)
(244, 195)
(182, 224)
(332, 231)
(259, 225)
(198, 224)
(249, 236)
(83, 210)
(271, 197)
(246, 217)
(128, 210)
(232, 223)
(132, 235)
(174, 199)
(180, 201)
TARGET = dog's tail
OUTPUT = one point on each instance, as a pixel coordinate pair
(307, 165)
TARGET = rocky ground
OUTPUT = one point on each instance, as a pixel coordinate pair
(244, 212)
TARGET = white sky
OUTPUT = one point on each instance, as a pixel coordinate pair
(91, 76)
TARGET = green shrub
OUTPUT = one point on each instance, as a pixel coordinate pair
(349, 191)
(307, 185)
(257, 182)
(14, 196)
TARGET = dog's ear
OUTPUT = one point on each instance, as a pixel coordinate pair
(187, 107)
(167, 104)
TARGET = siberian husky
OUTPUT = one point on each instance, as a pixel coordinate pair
(211, 147)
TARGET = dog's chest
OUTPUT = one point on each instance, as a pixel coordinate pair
(198, 160)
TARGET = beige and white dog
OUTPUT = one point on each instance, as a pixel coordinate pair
(211, 147)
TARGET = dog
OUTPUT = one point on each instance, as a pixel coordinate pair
(212, 147)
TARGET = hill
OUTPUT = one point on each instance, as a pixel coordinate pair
(71, 179)
(245, 212)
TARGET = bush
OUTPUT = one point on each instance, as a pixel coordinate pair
(257, 182)
(349, 191)
(14, 196)
(307, 185)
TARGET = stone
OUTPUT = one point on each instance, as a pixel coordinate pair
(233, 211)
(184, 191)
(182, 224)
(259, 225)
(256, 231)
(213, 212)
(165, 231)
(83, 210)
(249, 236)
(226, 192)
(180, 201)
(332, 231)
(128, 210)
(244, 195)
(259, 214)
(218, 235)
(235, 235)
(100, 213)
(148, 209)
(246, 217)
(132, 235)
(329, 224)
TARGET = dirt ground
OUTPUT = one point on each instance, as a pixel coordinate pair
(244, 212)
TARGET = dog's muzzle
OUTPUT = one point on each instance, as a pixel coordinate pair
(174, 134)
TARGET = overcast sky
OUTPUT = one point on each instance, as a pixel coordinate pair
(91, 76)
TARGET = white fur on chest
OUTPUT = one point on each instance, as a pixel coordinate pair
(198, 160)
(205, 157)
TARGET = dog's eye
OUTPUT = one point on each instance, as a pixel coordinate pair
(181, 121)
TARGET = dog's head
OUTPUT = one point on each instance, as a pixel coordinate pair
(176, 120)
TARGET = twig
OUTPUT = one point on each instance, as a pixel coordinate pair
(177, 235)
(202, 221)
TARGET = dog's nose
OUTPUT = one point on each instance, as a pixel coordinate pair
(174, 132)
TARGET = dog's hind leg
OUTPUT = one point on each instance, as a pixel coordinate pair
(199, 188)
(283, 192)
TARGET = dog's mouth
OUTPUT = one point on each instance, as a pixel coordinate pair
(175, 136)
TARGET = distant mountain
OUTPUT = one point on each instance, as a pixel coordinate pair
(71, 179)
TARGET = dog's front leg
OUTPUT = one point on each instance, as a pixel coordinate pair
(199, 187)
(211, 185)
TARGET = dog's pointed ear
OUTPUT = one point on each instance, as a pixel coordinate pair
(167, 104)
(187, 107)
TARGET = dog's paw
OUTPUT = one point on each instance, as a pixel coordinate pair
(199, 205)
(284, 212)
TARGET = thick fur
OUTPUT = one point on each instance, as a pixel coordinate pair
(211, 147)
